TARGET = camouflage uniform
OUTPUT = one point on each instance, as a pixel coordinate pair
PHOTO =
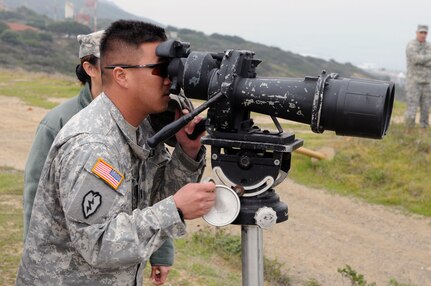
(48, 130)
(92, 223)
(89, 44)
(418, 82)
(45, 134)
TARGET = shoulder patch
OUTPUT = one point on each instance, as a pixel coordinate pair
(107, 173)
(90, 203)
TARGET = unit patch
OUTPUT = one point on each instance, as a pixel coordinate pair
(107, 173)
(90, 203)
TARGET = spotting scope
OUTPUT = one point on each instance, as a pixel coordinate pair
(229, 84)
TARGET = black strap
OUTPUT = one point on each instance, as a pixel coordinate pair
(316, 110)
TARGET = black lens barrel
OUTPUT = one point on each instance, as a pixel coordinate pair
(352, 107)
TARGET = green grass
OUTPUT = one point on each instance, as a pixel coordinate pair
(37, 88)
(203, 258)
(216, 260)
(393, 171)
(11, 218)
(357, 279)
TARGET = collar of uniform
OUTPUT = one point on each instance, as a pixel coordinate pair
(416, 41)
(85, 95)
(122, 124)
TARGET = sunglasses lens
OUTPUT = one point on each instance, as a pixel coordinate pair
(161, 70)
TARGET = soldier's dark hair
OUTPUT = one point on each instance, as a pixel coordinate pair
(81, 74)
(124, 38)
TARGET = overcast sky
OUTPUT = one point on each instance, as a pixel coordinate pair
(362, 31)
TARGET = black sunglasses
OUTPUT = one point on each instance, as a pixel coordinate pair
(159, 69)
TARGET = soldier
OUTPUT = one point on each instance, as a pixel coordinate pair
(88, 73)
(106, 201)
(418, 53)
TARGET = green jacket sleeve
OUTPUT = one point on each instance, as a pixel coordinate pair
(164, 256)
(45, 135)
(33, 169)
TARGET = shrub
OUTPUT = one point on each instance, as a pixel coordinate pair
(68, 28)
(3, 27)
(10, 37)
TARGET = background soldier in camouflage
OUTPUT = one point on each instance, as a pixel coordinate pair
(418, 53)
(106, 201)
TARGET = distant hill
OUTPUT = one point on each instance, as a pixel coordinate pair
(55, 8)
(53, 47)
(47, 49)
(275, 62)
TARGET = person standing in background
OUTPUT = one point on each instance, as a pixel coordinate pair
(418, 79)
(88, 73)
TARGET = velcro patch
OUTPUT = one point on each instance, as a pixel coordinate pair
(90, 203)
(107, 173)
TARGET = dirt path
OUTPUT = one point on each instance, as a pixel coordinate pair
(324, 232)
(18, 123)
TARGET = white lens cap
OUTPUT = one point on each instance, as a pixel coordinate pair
(226, 207)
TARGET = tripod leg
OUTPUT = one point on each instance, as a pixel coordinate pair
(252, 255)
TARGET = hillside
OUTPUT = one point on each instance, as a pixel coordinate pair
(275, 61)
(53, 47)
(55, 9)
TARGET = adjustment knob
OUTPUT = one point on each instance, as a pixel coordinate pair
(265, 217)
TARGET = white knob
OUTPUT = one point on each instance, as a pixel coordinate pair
(265, 217)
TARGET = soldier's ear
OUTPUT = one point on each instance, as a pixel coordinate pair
(120, 77)
(91, 70)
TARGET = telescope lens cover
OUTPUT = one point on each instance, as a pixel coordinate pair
(226, 208)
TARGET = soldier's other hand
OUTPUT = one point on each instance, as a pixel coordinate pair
(195, 199)
(189, 146)
(159, 274)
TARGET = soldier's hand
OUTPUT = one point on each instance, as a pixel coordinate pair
(190, 146)
(195, 199)
(159, 274)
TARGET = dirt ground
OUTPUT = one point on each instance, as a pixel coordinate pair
(324, 231)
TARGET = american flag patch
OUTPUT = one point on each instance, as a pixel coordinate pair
(107, 173)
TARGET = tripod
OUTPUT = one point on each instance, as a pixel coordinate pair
(252, 164)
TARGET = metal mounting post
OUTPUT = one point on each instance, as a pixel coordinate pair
(252, 255)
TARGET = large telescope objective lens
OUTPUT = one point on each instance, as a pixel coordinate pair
(352, 107)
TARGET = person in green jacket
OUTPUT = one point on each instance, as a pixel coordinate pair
(89, 74)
